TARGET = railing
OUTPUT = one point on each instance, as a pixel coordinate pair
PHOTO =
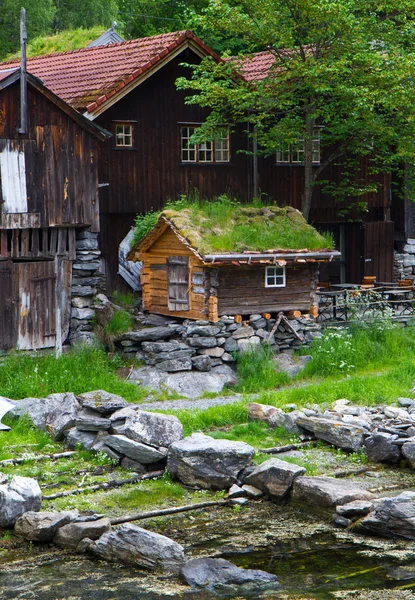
(349, 303)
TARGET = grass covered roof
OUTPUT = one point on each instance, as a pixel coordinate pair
(228, 226)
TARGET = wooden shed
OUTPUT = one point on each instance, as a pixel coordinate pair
(48, 192)
(190, 270)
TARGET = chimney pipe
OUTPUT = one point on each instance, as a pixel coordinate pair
(23, 73)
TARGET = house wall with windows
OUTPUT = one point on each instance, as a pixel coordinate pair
(150, 159)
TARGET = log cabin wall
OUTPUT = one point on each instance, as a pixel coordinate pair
(242, 290)
(160, 283)
(57, 166)
(143, 177)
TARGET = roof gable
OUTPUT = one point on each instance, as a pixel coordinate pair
(92, 79)
(10, 76)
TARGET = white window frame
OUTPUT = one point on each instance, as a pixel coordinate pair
(209, 152)
(271, 272)
(293, 154)
(123, 135)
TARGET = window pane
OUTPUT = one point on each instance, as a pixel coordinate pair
(275, 276)
(222, 147)
(188, 148)
(124, 135)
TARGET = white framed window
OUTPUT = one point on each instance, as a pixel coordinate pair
(274, 276)
(294, 153)
(217, 151)
(123, 135)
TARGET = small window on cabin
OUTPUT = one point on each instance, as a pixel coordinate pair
(274, 276)
(123, 136)
(216, 151)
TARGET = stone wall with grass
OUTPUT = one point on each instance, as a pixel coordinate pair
(404, 261)
(201, 345)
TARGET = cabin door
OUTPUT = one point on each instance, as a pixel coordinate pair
(178, 283)
(37, 305)
(378, 250)
(8, 330)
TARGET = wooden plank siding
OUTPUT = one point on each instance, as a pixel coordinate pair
(8, 328)
(60, 160)
(378, 253)
(242, 290)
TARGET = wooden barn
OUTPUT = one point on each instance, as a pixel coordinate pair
(190, 271)
(48, 192)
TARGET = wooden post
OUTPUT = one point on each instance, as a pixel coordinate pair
(23, 73)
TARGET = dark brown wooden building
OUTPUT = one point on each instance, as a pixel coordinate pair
(48, 191)
(182, 278)
(129, 89)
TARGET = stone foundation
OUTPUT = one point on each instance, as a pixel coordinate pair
(404, 261)
(201, 345)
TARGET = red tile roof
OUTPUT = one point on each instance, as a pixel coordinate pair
(255, 67)
(88, 77)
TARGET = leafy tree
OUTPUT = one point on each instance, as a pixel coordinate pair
(346, 65)
(39, 17)
(71, 14)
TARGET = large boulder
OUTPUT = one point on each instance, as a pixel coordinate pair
(137, 546)
(75, 437)
(154, 429)
(337, 433)
(102, 401)
(200, 461)
(56, 412)
(22, 494)
(327, 492)
(40, 526)
(225, 579)
(71, 534)
(275, 478)
(408, 450)
(392, 517)
(190, 384)
(380, 447)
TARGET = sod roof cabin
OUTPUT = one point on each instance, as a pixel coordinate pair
(198, 264)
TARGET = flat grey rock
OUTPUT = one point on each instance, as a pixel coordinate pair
(150, 334)
(200, 461)
(191, 384)
(40, 526)
(71, 534)
(102, 401)
(134, 545)
(140, 452)
(275, 478)
(380, 448)
(327, 492)
(392, 517)
(358, 508)
(154, 429)
(225, 579)
(75, 437)
(335, 432)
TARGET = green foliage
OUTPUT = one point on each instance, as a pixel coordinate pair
(23, 434)
(39, 18)
(339, 64)
(80, 370)
(120, 322)
(72, 14)
(143, 224)
(257, 371)
(125, 300)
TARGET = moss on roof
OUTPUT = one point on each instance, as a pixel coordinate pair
(228, 226)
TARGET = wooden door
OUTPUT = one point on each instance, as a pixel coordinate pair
(8, 329)
(37, 305)
(178, 282)
(378, 250)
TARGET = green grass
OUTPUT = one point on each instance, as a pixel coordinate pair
(223, 224)
(120, 322)
(61, 42)
(125, 300)
(362, 348)
(255, 433)
(23, 435)
(257, 371)
(80, 370)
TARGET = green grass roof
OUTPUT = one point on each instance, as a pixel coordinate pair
(217, 226)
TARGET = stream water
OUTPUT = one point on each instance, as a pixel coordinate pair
(312, 568)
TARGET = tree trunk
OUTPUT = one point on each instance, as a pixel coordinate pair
(308, 170)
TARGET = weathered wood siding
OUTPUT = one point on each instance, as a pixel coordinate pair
(242, 290)
(8, 329)
(50, 175)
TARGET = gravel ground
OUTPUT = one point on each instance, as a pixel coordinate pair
(198, 404)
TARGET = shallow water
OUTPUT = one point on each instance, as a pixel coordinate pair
(307, 568)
